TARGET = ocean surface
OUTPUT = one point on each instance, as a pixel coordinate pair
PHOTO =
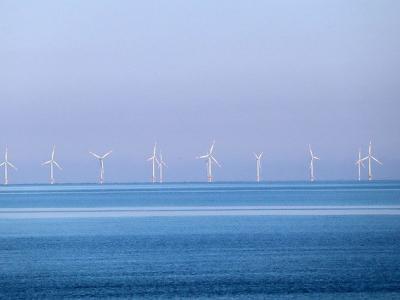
(279, 240)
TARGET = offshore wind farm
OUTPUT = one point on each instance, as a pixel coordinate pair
(199, 149)
(157, 161)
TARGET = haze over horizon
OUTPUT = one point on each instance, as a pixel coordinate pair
(269, 76)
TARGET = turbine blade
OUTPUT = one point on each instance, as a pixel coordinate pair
(2, 164)
(107, 154)
(46, 162)
(203, 156)
(315, 157)
(376, 160)
(95, 155)
(212, 147)
(213, 158)
(12, 166)
(57, 165)
(309, 147)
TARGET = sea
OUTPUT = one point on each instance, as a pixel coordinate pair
(228, 240)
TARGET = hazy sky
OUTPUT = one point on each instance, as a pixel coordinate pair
(267, 76)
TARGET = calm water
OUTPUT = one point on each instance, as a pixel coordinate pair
(241, 256)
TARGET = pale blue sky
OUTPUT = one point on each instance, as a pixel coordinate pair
(267, 76)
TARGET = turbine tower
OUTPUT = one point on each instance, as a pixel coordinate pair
(154, 161)
(209, 160)
(101, 160)
(161, 164)
(369, 157)
(312, 178)
(6, 164)
(258, 165)
(360, 164)
(52, 163)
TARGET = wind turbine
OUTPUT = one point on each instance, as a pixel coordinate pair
(6, 163)
(312, 178)
(52, 163)
(101, 160)
(154, 161)
(360, 163)
(369, 157)
(161, 164)
(258, 165)
(209, 159)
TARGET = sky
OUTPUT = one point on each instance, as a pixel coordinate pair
(270, 76)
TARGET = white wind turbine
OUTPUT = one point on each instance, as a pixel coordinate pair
(258, 165)
(52, 163)
(369, 157)
(101, 160)
(360, 164)
(312, 178)
(209, 159)
(161, 164)
(6, 164)
(154, 161)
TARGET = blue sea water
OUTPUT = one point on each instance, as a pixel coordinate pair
(225, 257)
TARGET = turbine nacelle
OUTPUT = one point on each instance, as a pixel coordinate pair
(101, 157)
(258, 157)
(360, 162)
(311, 153)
